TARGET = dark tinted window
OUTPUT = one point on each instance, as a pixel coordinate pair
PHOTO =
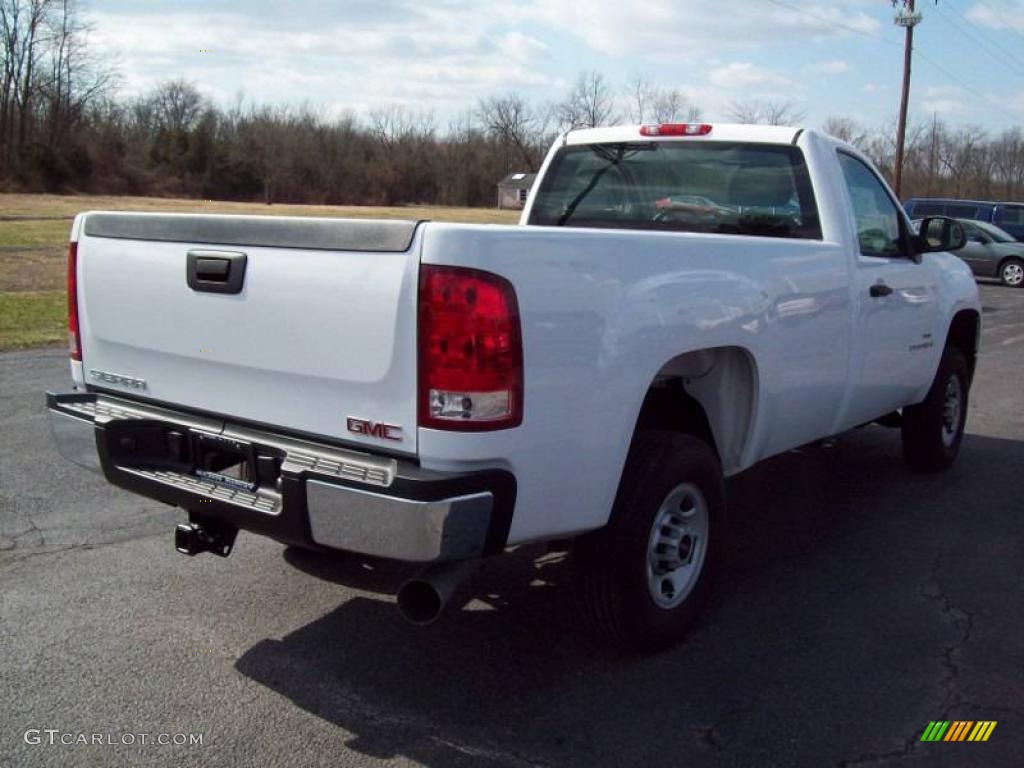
(927, 209)
(962, 211)
(719, 187)
(1010, 214)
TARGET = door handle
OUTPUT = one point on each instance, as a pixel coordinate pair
(215, 271)
(879, 289)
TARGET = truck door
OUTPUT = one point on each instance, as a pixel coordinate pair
(895, 338)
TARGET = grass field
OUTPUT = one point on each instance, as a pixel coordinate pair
(33, 243)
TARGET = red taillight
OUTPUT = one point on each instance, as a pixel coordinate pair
(676, 129)
(74, 340)
(470, 350)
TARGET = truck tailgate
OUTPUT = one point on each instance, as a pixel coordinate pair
(321, 331)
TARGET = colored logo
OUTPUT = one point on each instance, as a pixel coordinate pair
(958, 730)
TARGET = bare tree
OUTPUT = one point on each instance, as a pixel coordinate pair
(264, 140)
(844, 129)
(516, 124)
(670, 106)
(1008, 168)
(177, 105)
(650, 102)
(75, 78)
(589, 104)
(641, 93)
(22, 23)
(765, 112)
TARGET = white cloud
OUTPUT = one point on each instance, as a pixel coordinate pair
(944, 99)
(445, 60)
(942, 106)
(987, 16)
(740, 74)
(835, 67)
(444, 55)
(692, 29)
(523, 47)
(869, 88)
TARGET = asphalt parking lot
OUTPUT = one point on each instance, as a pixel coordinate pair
(860, 601)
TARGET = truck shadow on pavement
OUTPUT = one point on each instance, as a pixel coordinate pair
(836, 603)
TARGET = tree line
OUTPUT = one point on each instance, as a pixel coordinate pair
(65, 128)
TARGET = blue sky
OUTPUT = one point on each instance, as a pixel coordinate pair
(841, 58)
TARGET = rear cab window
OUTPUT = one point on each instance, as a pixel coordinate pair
(710, 187)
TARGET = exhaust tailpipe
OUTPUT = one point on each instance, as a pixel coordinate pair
(424, 597)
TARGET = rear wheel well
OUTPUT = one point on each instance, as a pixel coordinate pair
(669, 406)
(707, 393)
(963, 334)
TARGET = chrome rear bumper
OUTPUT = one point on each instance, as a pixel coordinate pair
(305, 493)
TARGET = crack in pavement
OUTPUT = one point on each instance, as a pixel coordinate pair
(963, 621)
(11, 556)
(708, 734)
(33, 528)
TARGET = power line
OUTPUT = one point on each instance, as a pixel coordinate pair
(999, 17)
(998, 107)
(832, 22)
(1008, 56)
(965, 86)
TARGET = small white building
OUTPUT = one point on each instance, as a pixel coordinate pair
(513, 190)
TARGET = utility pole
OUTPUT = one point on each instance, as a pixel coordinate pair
(908, 19)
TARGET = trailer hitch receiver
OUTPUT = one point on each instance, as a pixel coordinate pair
(192, 538)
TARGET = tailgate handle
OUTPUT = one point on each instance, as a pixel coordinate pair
(215, 271)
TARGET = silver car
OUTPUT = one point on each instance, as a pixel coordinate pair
(992, 252)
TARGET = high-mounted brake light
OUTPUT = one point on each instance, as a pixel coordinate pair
(470, 350)
(74, 339)
(676, 129)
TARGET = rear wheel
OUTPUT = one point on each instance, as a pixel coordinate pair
(644, 577)
(1011, 272)
(933, 429)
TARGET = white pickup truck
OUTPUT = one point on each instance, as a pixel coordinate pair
(679, 302)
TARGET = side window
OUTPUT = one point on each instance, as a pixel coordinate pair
(1010, 214)
(878, 220)
(962, 211)
(928, 209)
(974, 235)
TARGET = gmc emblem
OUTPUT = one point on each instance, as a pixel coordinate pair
(370, 429)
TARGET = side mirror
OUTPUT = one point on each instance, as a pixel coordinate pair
(940, 233)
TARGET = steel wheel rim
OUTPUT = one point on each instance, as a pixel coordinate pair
(677, 545)
(952, 405)
(1013, 274)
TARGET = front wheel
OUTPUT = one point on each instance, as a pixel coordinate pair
(1011, 273)
(933, 429)
(644, 577)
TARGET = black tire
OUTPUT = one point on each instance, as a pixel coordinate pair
(610, 565)
(1011, 273)
(926, 432)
